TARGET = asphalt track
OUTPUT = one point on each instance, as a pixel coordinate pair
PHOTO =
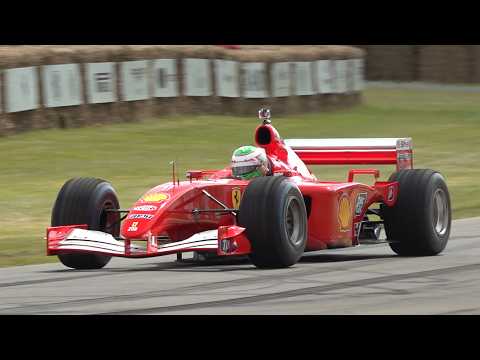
(365, 280)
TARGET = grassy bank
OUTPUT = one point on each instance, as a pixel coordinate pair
(134, 157)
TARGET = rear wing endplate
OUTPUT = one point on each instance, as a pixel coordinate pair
(354, 151)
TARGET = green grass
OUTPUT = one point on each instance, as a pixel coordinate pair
(134, 157)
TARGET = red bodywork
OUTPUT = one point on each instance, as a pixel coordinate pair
(166, 220)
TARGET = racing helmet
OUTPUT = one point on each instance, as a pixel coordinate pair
(249, 162)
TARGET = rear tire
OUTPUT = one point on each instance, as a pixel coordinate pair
(419, 223)
(84, 201)
(273, 212)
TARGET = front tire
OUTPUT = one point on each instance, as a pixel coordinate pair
(84, 201)
(419, 224)
(273, 212)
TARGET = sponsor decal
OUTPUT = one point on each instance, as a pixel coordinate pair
(57, 235)
(391, 193)
(155, 197)
(153, 240)
(225, 245)
(404, 156)
(145, 208)
(357, 229)
(344, 213)
(140, 216)
(404, 144)
(134, 226)
(236, 197)
(360, 203)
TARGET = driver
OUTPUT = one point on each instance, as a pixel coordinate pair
(249, 162)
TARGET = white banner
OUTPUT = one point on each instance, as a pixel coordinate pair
(280, 74)
(197, 77)
(359, 75)
(342, 86)
(62, 85)
(350, 75)
(165, 78)
(226, 78)
(21, 89)
(102, 82)
(135, 80)
(326, 74)
(254, 80)
(303, 79)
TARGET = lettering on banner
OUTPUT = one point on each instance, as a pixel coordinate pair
(138, 74)
(103, 82)
(165, 78)
(161, 78)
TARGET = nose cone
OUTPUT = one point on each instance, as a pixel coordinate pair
(144, 214)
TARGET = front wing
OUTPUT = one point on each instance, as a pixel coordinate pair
(225, 241)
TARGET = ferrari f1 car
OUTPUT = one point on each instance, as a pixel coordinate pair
(272, 219)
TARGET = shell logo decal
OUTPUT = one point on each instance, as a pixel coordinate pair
(155, 197)
(344, 213)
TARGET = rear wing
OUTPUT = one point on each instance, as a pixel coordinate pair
(354, 151)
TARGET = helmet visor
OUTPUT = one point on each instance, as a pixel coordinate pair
(241, 171)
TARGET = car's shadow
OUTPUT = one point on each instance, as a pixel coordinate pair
(329, 258)
(224, 265)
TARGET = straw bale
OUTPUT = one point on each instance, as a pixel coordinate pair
(445, 63)
(391, 62)
(89, 114)
(475, 63)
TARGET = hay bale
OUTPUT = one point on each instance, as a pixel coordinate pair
(95, 114)
(6, 125)
(68, 116)
(17, 57)
(89, 114)
(445, 63)
(475, 63)
(202, 104)
(168, 106)
(391, 62)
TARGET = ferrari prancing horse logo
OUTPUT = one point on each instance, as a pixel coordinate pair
(236, 197)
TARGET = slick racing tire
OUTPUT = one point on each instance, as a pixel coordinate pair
(419, 223)
(84, 201)
(273, 212)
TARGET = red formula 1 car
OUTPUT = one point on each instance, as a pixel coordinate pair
(273, 219)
